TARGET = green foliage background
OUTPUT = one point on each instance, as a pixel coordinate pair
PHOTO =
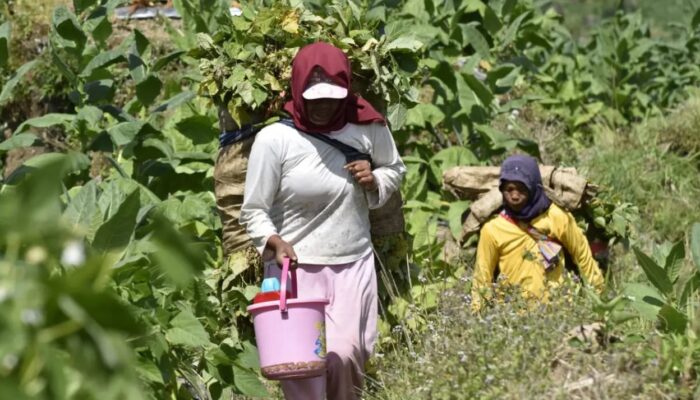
(112, 280)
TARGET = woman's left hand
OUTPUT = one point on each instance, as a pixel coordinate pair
(361, 170)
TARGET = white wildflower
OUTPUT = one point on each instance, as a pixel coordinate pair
(73, 254)
(31, 316)
(36, 255)
(10, 361)
(4, 293)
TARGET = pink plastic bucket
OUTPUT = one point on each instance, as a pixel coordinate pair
(291, 335)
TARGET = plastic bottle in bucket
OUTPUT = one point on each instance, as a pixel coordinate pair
(270, 291)
(290, 333)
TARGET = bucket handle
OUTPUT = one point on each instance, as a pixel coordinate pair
(286, 262)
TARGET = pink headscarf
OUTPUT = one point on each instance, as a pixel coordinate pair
(336, 66)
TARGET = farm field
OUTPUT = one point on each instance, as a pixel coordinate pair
(113, 280)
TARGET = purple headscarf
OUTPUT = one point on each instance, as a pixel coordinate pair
(524, 169)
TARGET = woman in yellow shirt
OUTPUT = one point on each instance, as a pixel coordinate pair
(523, 238)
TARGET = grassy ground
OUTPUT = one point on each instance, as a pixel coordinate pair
(512, 352)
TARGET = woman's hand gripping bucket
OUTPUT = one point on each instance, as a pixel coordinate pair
(290, 333)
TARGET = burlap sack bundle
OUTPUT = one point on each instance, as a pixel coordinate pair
(564, 186)
(229, 183)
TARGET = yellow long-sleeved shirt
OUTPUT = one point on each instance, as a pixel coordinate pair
(503, 244)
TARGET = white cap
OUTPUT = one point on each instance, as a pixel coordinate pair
(320, 86)
(325, 90)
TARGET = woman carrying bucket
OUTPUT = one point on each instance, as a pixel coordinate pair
(305, 201)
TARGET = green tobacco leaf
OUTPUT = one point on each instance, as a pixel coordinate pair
(18, 141)
(498, 139)
(107, 310)
(125, 132)
(690, 287)
(99, 91)
(451, 157)
(137, 67)
(9, 86)
(504, 76)
(71, 162)
(416, 181)
(620, 317)
(482, 91)
(474, 37)
(248, 383)
(199, 129)
(166, 59)
(187, 331)
(505, 8)
(175, 101)
(148, 370)
(674, 261)
(672, 320)
(114, 192)
(115, 234)
(259, 96)
(695, 23)
(102, 60)
(148, 89)
(67, 26)
(4, 44)
(590, 111)
(423, 226)
(65, 70)
(491, 21)
(161, 146)
(695, 244)
(404, 43)
(465, 95)
(397, 116)
(38, 189)
(45, 121)
(91, 116)
(176, 255)
(248, 358)
(83, 211)
(454, 217)
(423, 115)
(645, 300)
(102, 30)
(656, 275)
(660, 253)
(82, 5)
(512, 31)
(141, 42)
(112, 196)
(182, 213)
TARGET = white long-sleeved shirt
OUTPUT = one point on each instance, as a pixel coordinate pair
(297, 187)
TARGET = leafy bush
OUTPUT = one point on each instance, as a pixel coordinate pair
(144, 307)
(620, 75)
(674, 288)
